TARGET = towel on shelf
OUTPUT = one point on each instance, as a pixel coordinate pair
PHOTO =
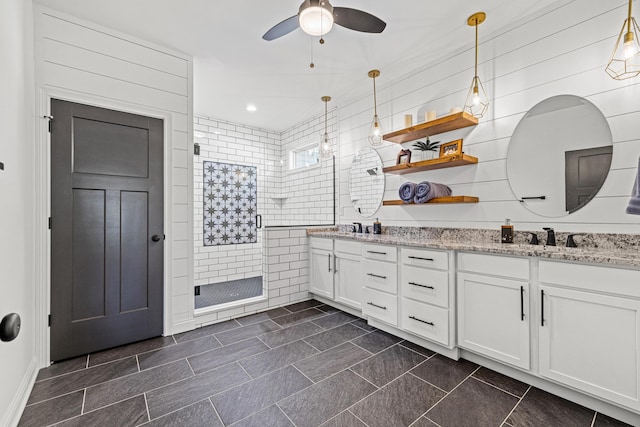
(634, 203)
(407, 192)
(426, 191)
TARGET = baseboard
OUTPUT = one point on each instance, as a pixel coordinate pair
(14, 412)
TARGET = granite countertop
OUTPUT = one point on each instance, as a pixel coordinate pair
(620, 250)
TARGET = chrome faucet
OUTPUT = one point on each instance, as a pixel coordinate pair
(359, 229)
(551, 236)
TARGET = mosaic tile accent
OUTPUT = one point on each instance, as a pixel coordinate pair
(230, 204)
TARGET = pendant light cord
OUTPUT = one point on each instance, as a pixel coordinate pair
(476, 70)
(629, 19)
(325, 117)
(375, 101)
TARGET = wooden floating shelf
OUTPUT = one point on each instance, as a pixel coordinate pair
(432, 127)
(426, 165)
(437, 200)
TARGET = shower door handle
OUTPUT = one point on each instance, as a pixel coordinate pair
(259, 221)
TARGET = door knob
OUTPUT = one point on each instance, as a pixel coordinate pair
(9, 327)
(155, 238)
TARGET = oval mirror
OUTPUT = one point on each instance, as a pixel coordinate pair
(366, 182)
(559, 155)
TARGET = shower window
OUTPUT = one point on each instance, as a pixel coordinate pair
(304, 157)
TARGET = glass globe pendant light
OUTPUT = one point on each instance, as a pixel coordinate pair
(325, 143)
(375, 131)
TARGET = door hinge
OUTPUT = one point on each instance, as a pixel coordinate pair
(49, 223)
(49, 320)
(50, 118)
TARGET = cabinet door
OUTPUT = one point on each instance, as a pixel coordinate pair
(493, 318)
(348, 280)
(321, 273)
(591, 342)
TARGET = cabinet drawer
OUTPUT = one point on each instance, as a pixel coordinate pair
(347, 247)
(596, 278)
(423, 258)
(426, 321)
(320, 243)
(496, 265)
(380, 252)
(380, 305)
(430, 286)
(380, 275)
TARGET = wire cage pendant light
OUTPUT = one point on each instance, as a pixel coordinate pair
(375, 131)
(325, 143)
(477, 102)
(625, 59)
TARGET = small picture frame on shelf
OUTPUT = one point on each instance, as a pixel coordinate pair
(451, 148)
(404, 157)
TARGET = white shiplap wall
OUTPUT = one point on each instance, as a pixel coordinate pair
(222, 141)
(82, 62)
(561, 51)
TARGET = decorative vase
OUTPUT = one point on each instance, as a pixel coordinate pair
(427, 155)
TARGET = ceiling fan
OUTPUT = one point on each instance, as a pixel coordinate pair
(316, 17)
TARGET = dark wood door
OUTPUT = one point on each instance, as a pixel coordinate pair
(585, 172)
(107, 229)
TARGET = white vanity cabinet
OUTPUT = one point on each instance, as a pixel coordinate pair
(493, 307)
(348, 273)
(335, 270)
(321, 267)
(589, 330)
(380, 279)
(425, 286)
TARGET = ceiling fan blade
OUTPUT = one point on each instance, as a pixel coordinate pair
(281, 29)
(358, 20)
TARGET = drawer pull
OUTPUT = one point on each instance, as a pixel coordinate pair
(377, 306)
(377, 253)
(420, 320)
(420, 258)
(375, 275)
(422, 286)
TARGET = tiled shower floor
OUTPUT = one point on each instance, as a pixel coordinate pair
(303, 365)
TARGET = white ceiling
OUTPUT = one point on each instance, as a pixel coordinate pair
(233, 66)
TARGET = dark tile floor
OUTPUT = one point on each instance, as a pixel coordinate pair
(306, 364)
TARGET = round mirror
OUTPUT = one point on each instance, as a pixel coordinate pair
(559, 155)
(366, 182)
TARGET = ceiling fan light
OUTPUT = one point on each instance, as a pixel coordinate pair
(316, 20)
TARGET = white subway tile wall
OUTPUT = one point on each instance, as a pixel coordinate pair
(308, 192)
(285, 261)
(226, 142)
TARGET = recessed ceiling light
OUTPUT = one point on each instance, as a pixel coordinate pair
(251, 107)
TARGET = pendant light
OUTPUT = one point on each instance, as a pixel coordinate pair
(477, 101)
(375, 131)
(625, 59)
(325, 144)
